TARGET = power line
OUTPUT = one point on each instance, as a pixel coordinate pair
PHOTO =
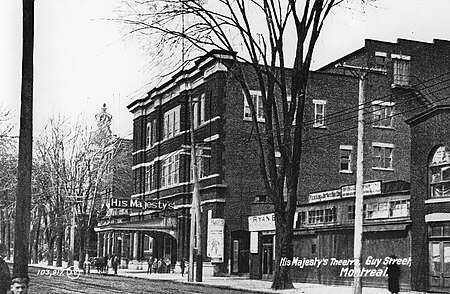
(347, 111)
(354, 127)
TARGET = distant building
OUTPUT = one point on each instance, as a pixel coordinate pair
(117, 183)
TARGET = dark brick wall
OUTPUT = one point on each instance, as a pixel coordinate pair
(425, 137)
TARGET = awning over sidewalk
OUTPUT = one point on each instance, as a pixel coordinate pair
(167, 225)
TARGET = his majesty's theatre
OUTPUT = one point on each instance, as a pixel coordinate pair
(406, 172)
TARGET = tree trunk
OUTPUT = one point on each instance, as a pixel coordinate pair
(59, 247)
(36, 241)
(50, 253)
(284, 249)
(82, 245)
(23, 196)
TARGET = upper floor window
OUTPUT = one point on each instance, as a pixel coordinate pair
(257, 103)
(345, 158)
(382, 156)
(439, 171)
(171, 123)
(170, 169)
(399, 208)
(380, 60)
(149, 178)
(351, 212)
(401, 69)
(301, 219)
(319, 112)
(375, 210)
(199, 111)
(382, 114)
(151, 133)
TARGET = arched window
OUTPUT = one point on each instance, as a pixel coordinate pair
(440, 173)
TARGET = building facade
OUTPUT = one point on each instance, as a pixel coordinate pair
(231, 192)
(404, 137)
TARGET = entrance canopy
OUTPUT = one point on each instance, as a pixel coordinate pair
(166, 225)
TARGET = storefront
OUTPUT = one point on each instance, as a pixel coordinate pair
(262, 245)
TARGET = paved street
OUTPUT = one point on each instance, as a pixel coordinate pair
(54, 281)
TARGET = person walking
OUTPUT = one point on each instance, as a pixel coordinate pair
(150, 264)
(182, 266)
(393, 273)
(115, 263)
(155, 265)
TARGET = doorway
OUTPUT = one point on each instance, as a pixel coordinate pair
(439, 262)
(267, 256)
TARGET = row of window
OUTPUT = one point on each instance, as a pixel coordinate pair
(170, 170)
(382, 112)
(391, 209)
(171, 122)
(401, 66)
(381, 156)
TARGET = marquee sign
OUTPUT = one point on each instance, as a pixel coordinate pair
(140, 204)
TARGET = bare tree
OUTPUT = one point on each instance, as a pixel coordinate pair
(72, 167)
(277, 40)
(6, 126)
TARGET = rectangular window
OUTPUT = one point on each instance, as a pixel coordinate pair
(399, 208)
(330, 214)
(380, 60)
(319, 113)
(172, 122)
(170, 168)
(203, 164)
(345, 158)
(382, 155)
(351, 212)
(439, 229)
(375, 210)
(382, 114)
(301, 219)
(199, 111)
(401, 69)
(258, 104)
(151, 133)
(316, 216)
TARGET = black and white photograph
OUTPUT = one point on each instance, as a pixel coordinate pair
(225, 146)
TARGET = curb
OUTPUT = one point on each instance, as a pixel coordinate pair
(202, 284)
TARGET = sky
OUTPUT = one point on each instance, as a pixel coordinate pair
(83, 61)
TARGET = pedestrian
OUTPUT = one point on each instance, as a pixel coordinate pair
(19, 285)
(393, 273)
(5, 276)
(182, 266)
(160, 266)
(155, 265)
(150, 264)
(115, 263)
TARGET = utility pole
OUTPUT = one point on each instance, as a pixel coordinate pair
(196, 228)
(361, 73)
(23, 196)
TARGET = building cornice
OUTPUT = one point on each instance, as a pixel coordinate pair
(427, 114)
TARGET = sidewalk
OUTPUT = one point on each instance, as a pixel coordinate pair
(244, 284)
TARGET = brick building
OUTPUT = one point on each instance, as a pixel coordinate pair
(229, 179)
(405, 127)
